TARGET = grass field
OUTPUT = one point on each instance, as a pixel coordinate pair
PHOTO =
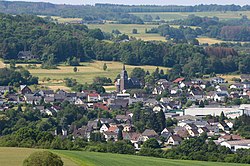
(181, 15)
(86, 73)
(127, 29)
(15, 157)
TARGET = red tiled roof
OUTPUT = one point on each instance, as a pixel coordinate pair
(178, 80)
(93, 95)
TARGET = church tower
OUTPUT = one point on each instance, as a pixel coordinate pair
(123, 79)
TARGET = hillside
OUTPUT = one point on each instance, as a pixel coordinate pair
(15, 156)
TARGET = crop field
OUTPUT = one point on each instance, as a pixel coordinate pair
(15, 157)
(127, 29)
(208, 40)
(168, 16)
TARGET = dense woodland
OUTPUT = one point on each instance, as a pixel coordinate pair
(173, 8)
(55, 43)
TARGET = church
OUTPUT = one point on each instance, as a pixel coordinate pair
(125, 82)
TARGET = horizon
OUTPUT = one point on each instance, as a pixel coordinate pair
(143, 2)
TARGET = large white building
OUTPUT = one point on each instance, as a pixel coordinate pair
(231, 112)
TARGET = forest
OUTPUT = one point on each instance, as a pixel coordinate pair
(55, 43)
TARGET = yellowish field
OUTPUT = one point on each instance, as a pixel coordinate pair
(15, 156)
(229, 78)
(86, 73)
(208, 40)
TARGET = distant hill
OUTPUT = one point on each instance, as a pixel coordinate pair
(86, 12)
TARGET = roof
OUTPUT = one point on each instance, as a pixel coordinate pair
(176, 138)
(239, 142)
(93, 95)
(149, 132)
(231, 137)
(178, 80)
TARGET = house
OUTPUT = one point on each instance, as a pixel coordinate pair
(245, 77)
(246, 85)
(223, 126)
(178, 80)
(93, 125)
(79, 101)
(236, 86)
(220, 97)
(105, 127)
(127, 128)
(174, 140)
(147, 134)
(32, 98)
(110, 135)
(218, 80)
(93, 97)
(13, 98)
(4, 89)
(26, 55)
(113, 128)
(24, 89)
(100, 106)
(83, 132)
(161, 81)
(229, 137)
(123, 118)
(118, 103)
(46, 93)
(203, 130)
(198, 95)
(193, 132)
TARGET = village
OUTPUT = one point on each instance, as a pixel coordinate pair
(191, 120)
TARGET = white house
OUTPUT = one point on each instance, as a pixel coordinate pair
(105, 127)
(218, 80)
(174, 140)
(93, 97)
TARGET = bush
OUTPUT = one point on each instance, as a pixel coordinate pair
(44, 158)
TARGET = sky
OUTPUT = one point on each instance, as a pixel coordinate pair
(151, 2)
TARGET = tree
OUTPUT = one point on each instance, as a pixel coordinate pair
(12, 64)
(75, 69)
(161, 120)
(138, 73)
(120, 137)
(105, 66)
(44, 158)
(151, 143)
(134, 31)
(222, 117)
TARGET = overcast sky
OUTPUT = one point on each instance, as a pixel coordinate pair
(157, 2)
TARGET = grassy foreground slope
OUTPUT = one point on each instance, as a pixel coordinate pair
(106, 159)
(15, 157)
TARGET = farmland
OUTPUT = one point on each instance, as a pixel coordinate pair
(15, 157)
(85, 74)
(127, 29)
(168, 16)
